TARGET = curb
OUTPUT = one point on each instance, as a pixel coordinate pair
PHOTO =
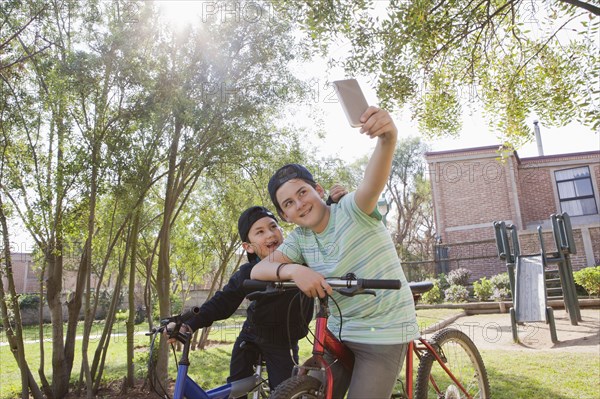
(490, 307)
(504, 306)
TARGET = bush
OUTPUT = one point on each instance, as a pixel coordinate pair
(434, 295)
(29, 301)
(589, 278)
(456, 293)
(483, 289)
(501, 281)
(442, 281)
(122, 315)
(459, 277)
(501, 294)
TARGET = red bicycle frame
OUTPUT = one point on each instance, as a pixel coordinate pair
(325, 340)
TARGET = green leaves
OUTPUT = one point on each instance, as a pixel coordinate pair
(512, 59)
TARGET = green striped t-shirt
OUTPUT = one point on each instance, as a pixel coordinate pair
(354, 242)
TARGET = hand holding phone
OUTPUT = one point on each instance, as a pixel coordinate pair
(352, 99)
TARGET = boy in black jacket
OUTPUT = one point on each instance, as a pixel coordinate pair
(267, 323)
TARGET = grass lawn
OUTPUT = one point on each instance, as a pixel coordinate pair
(513, 374)
(548, 375)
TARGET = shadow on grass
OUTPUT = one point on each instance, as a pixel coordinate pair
(210, 368)
(510, 386)
(553, 375)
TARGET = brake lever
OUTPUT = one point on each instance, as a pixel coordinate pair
(154, 331)
(261, 294)
(271, 290)
(356, 290)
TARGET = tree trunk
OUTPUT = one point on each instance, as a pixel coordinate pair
(163, 275)
(130, 381)
(45, 385)
(14, 336)
(217, 284)
(53, 252)
(100, 353)
(98, 365)
(60, 376)
(84, 280)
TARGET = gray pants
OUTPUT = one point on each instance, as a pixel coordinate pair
(376, 368)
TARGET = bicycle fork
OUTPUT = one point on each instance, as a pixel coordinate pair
(440, 358)
(316, 366)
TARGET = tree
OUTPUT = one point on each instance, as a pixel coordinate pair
(9, 305)
(511, 57)
(17, 21)
(410, 192)
(42, 164)
(211, 98)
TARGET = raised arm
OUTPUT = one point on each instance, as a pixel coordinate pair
(377, 123)
(310, 282)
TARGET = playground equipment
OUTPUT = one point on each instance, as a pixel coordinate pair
(565, 245)
(527, 274)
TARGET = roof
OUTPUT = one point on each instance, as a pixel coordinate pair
(498, 147)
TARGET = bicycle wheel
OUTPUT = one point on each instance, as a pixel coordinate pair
(298, 387)
(464, 361)
(261, 392)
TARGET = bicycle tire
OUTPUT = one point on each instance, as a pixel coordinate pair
(299, 387)
(462, 358)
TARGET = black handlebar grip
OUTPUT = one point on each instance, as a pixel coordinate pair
(380, 284)
(189, 314)
(255, 285)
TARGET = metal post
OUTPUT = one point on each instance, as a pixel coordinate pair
(505, 252)
(569, 295)
(568, 248)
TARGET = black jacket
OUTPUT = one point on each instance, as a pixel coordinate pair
(267, 317)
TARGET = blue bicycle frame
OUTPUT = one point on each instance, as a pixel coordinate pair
(187, 388)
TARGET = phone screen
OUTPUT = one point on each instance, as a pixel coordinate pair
(352, 99)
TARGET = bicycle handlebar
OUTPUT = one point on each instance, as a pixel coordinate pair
(189, 314)
(178, 320)
(380, 284)
(259, 285)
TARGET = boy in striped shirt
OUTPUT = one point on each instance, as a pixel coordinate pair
(348, 237)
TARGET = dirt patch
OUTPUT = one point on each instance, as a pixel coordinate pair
(115, 390)
(493, 331)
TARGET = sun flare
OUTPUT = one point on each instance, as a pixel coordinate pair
(180, 13)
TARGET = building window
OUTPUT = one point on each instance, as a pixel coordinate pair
(575, 191)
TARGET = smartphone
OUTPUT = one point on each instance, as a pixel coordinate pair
(352, 99)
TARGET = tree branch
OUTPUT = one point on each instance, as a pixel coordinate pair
(463, 35)
(543, 46)
(18, 32)
(586, 6)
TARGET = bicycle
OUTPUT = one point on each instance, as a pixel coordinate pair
(450, 366)
(186, 387)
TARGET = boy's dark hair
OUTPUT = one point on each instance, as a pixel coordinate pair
(247, 219)
(284, 174)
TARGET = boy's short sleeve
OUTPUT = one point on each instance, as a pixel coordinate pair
(291, 247)
(348, 204)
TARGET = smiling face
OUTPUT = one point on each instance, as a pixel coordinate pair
(264, 237)
(303, 205)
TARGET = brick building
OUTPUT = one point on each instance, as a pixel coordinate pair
(27, 279)
(24, 275)
(473, 187)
